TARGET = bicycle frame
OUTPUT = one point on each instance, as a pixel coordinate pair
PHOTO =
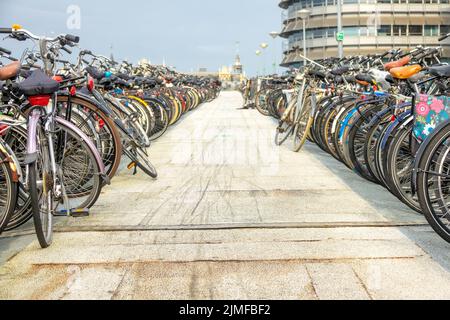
(13, 162)
(38, 114)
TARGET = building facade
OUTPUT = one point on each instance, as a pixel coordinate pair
(369, 26)
(232, 76)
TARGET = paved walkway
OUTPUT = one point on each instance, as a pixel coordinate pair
(233, 216)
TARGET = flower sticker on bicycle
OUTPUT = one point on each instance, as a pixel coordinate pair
(437, 105)
(430, 112)
(422, 109)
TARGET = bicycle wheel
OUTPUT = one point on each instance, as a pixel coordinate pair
(139, 158)
(286, 126)
(433, 182)
(80, 173)
(40, 182)
(302, 126)
(357, 138)
(399, 168)
(16, 139)
(109, 142)
(261, 102)
(8, 190)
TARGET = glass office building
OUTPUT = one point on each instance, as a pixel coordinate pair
(369, 26)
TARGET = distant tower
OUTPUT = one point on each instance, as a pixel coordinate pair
(237, 66)
(112, 56)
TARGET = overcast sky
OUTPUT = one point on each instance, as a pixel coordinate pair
(186, 33)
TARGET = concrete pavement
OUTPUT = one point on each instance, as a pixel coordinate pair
(232, 216)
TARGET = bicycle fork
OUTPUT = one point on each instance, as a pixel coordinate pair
(57, 187)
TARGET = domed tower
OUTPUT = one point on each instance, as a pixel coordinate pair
(237, 66)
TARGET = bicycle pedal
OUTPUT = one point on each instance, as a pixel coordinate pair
(74, 213)
(60, 213)
(131, 165)
(79, 213)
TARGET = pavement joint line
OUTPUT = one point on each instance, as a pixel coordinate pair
(113, 264)
(361, 282)
(207, 227)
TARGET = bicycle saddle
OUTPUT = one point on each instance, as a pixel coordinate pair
(350, 79)
(150, 82)
(396, 64)
(139, 80)
(120, 82)
(389, 78)
(123, 76)
(10, 71)
(316, 73)
(38, 83)
(85, 91)
(364, 79)
(95, 73)
(440, 71)
(105, 80)
(417, 77)
(405, 72)
(25, 73)
(277, 81)
(340, 71)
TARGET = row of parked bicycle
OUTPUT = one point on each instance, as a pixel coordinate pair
(64, 126)
(385, 116)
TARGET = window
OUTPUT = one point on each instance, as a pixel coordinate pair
(399, 30)
(305, 4)
(351, 31)
(331, 32)
(350, 1)
(319, 33)
(430, 31)
(416, 1)
(445, 29)
(319, 3)
(384, 31)
(372, 31)
(384, 1)
(415, 30)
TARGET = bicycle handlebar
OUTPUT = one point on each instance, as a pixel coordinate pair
(444, 37)
(6, 51)
(66, 49)
(72, 38)
(6, 30)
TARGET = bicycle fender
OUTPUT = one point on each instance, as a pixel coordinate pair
(90, 99)
(421, 151)
(87, 140)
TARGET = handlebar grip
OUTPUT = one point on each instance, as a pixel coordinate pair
(72, 38)
(418, 52)
(66, 50)
(385, 54)
(424, 54)
(6, 30)
(404, 55)
(5, 51)
(443, 37)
